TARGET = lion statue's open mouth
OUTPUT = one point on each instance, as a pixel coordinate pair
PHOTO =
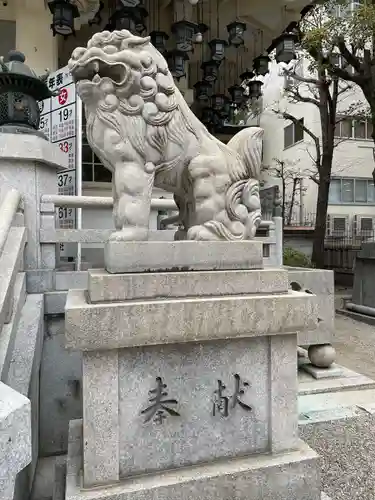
(142, 129)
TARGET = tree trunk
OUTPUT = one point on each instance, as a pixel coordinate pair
(290, 215)
(321, 212)
(284, 199)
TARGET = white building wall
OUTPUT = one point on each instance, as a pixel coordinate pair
(352, 158)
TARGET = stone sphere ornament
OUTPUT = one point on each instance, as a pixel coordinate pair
(322, 355)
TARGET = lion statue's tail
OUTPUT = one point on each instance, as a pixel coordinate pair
(244, 192)
(248, 144)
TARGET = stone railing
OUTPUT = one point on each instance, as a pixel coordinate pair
(269, 232)
(21, 336)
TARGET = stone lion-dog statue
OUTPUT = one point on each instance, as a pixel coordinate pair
(143, 131)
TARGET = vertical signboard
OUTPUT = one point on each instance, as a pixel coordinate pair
(60, 122)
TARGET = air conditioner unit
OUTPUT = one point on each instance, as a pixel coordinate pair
(364, 225)
(337, 225)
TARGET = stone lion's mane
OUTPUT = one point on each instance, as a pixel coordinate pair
(148, 109)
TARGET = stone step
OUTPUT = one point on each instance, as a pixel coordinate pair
(153, 322)
(106, 287)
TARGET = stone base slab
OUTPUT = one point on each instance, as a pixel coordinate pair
(287, 476)
(319, 373)
(147, 256)
(106, 287)
(164, 321)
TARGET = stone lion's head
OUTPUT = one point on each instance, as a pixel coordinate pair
(120, 71)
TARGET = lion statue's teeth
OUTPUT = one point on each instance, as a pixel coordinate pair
(142, 130)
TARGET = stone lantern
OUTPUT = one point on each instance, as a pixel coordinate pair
(20, 91)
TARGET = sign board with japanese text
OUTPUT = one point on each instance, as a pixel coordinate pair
(59, 123)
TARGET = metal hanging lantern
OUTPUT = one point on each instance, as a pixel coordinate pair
(176, 63)
(141, 14)
(20, 91)
(255, 89)
(184, 32)
(218, 47)
(218, 102)
(198, 37)
(232, 112)
(97, 19)
(129, 18)
(207, 116)
(158, 39)
(210, 71)
(236, 93)
(63, 15)
(246, 76)
(236, 32)
(203, 91)
(285, 46)
(260, 65)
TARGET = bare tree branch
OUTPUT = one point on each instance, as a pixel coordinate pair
(347, 54)
(315, 138)
(295, 94)
(302, 79)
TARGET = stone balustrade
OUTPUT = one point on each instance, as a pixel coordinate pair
(269, 232)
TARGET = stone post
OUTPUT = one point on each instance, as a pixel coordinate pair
(29, 164)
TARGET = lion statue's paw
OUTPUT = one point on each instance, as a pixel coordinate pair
(130, 234)
(201, 233)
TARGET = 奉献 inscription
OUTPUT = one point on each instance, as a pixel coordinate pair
(223, 403)
(159, 407)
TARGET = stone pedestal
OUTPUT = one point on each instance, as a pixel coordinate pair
(189, 378)
(29, 164)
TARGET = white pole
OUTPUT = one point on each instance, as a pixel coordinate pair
(79, 174)
(301, 208)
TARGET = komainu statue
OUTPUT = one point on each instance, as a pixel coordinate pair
(143, 131)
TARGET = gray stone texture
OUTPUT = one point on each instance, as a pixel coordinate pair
(321, 283)
(10, 264)
(15, 438)
(136, 323)
(363, 285)
(146, 256)
(289, 476)
(198, 435)
(23, 373)
(29, 164)
(60, 388)
(8, 333)
(319, 373)
(104, 286)
(100, 374)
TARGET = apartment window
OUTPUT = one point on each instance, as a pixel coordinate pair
(340, 62)
(351, 128)
(352, 191)
(92, 168)
(293, 133)
(347, 8)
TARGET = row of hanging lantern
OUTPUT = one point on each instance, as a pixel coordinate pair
(132, 15)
